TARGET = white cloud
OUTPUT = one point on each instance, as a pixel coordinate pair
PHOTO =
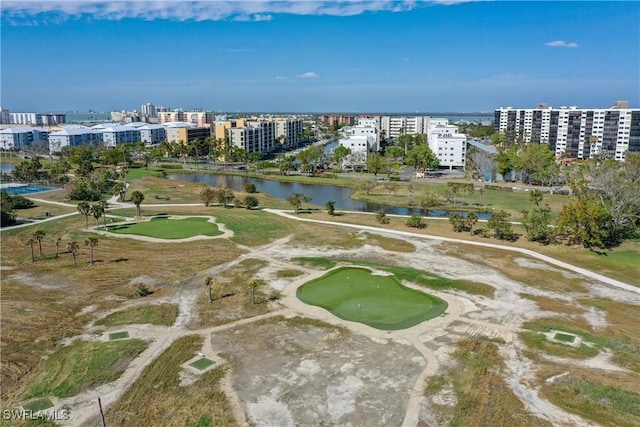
(23, 11)
(561, 43)
(307, 75)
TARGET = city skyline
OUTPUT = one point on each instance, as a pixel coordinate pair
(347, 56)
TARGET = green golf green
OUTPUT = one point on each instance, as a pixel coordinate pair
(165, 228)
(382, 302)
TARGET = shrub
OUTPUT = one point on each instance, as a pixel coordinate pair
(143, 290)
(21, 202)
(250, 187)
(382, 217)
(416, 221)
(251, 202)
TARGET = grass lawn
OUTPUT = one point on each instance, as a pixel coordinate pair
(81, 365)
(163, 314)
(355, 294)
(164, 228)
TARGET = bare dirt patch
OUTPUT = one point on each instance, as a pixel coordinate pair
(295, 372)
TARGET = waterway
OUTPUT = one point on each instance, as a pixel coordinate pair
(320, 194)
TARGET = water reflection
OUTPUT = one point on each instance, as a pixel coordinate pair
(320, 194)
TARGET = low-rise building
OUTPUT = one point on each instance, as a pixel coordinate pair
(22, 137)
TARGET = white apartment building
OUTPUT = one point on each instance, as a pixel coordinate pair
(37, 119)
(575, 132)
(73, 136)
(449, 146)
(362, 130)
(114, 134)
(395, 126)
(149, 110)
(360, 146)
(21, 137)
(152, 134)
(198, 118)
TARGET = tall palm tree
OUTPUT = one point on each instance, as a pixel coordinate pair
(38, 236)
(85, 208)
(137, 197)
(58, 240)
(92, 242)
(72, 248)
(30, 242)
(97, 210)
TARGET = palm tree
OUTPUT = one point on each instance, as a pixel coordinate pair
(137, 197)
(72, 248)
(38, 236)
(30, 242)
(253, 285)
(208, 281)
(84, 208)
(97, 210)
(92, 242)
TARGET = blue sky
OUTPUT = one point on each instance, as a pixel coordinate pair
(317, 56)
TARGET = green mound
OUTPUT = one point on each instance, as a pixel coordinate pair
(382, 302)
(165, 228)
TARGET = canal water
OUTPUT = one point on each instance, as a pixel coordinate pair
(320, 194)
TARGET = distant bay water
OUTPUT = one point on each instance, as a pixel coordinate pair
(87, 117)
(79, 117)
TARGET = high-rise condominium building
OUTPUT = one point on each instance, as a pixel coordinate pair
(575, 132)
(148, 110)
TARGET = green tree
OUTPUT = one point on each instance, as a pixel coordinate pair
(250, 187)
(340, 153)
(533, 159)
(251, 202)
(286, 164)
(421, 157)
(428, 199)
(499, 222)
(85, 209)
(6, 210)
(331, 207)
(297, 199)
(92, 242)
(38, 235)
(416, 221)
(537, 224)
(207, 195)
(137, 197)
(585, 221)
(313, 156)
(375, 163)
